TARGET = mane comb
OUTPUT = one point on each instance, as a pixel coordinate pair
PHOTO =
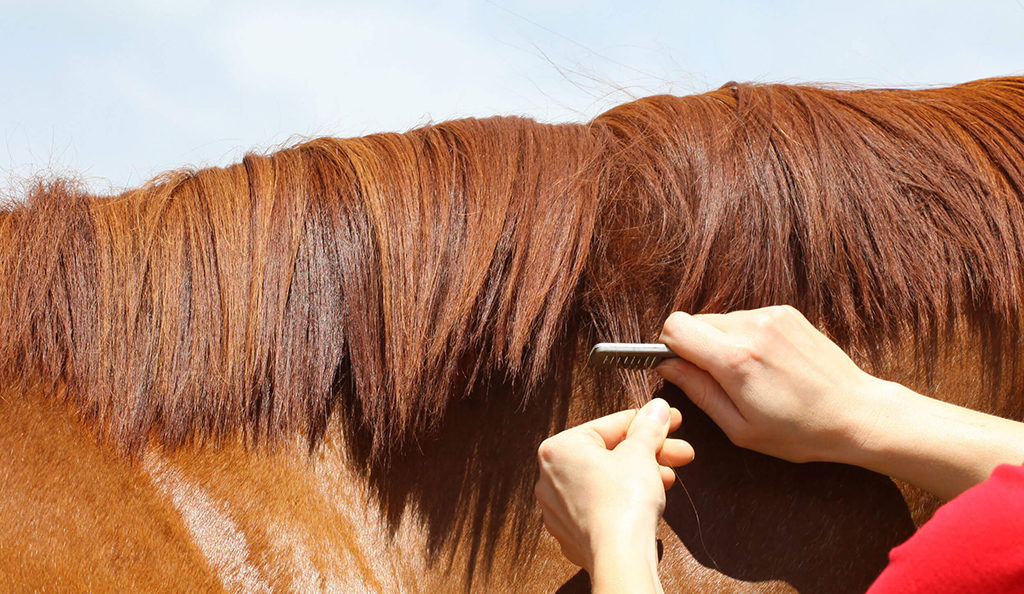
(629, 355)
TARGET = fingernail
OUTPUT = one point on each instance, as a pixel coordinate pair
(657, 409)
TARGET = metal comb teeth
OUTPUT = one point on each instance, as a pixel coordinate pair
(629, 355)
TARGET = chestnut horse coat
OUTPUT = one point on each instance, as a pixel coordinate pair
(328, 368)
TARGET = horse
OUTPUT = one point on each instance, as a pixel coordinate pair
(328, 367)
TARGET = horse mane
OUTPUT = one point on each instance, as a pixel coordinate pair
(887, 216)
(401, 266)
(398, 273)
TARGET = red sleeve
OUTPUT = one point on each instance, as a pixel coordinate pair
(974, 543)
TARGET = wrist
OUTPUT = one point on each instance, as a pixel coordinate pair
(937, 446)
(861, 429)
(625, 564)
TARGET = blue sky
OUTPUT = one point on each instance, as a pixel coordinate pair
(117, 92)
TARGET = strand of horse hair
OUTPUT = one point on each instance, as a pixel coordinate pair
(397, 271)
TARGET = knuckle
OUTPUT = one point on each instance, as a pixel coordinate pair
(768, 318)
(547, 451)
(672, 324)
(761, 344)
(790, 312)
(763, 328)
(785, 314)
(740, 356)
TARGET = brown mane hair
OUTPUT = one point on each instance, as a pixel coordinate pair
(885, 215)
(397, 273)
(247, 298)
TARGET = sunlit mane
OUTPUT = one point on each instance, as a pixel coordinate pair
(397, 272)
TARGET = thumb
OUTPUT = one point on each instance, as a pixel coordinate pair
(649, 427)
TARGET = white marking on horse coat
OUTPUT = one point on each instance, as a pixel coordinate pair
(214, 532)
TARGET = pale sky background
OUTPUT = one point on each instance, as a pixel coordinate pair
(116, 92)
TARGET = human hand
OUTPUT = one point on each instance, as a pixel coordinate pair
(773, 382)
(602, 484)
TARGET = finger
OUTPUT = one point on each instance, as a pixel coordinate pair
(649, 427)
(696, 340)
(675, 452)
(552, 513)
(570, 554)
(675, 419)
(548, 499)
(668, 477)
(729, 323)
(611, 429)
(553, 525)
(544, 495)
(701, 388)
(542, 489)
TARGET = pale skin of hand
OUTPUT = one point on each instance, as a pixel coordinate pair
(775, 384)
(602, 491)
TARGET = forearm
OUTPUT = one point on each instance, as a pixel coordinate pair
(625, 568)
(940, 447)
